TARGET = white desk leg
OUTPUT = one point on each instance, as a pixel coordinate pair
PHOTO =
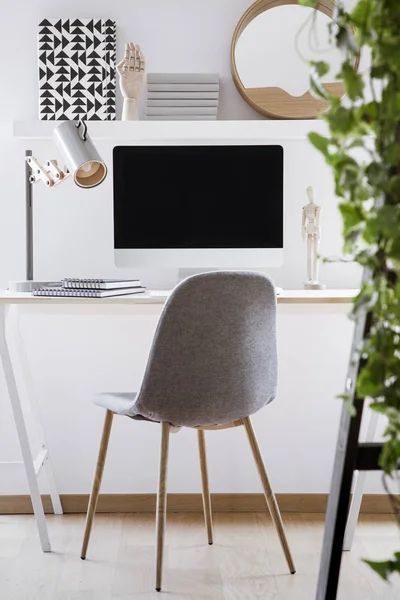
(358, 490)
(22, 434)
(23, 361)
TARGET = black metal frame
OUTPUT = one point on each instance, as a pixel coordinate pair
(351, 455)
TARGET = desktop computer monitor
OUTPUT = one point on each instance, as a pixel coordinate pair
(198, 206)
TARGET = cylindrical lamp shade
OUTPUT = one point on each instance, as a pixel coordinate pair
(80, 154)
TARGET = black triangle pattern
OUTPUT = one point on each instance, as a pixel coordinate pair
(77, 75)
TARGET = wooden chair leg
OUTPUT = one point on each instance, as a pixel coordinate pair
(269, 494)
(162, 502)
(204, 481)
(98, 476)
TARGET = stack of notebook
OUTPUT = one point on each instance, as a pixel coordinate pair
(182, 96)
(92, 288)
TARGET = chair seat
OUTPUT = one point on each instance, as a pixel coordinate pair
(121, 403)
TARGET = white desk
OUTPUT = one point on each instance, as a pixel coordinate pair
(159, 297)
(15, 300)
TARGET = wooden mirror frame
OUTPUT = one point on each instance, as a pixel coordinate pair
(274, 102)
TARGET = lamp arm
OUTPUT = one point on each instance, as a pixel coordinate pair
(50, 174)
(28, 218)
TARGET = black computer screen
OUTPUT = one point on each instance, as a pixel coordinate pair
(198, 197)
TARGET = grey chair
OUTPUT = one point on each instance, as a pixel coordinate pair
(212, 364)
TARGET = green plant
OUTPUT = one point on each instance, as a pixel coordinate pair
(363, 151)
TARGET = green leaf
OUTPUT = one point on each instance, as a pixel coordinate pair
(376, 173)
(348, 403)
(365, 258)
(361, 13)
(387, 222)
(321, 67)
(320, 142)
(390, 456)
(356, 144)
(393, 187)
(341, 120)
(366, 298)
(394, 250)
(351, 215)
(353, 81)
(368, 112)
(316, 87)
(379, 71)
(378, 407)
(368, 383)
(347, 173)
(307, 2)
(383, 569)
(392, 153)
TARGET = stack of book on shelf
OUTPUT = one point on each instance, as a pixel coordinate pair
(92, 288)
(182, 96)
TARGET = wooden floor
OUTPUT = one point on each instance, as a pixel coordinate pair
(245, 562)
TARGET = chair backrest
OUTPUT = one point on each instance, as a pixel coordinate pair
(213, 358)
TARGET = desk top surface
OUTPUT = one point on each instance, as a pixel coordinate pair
(160, 297)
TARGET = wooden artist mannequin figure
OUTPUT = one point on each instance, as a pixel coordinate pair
(132, 72)
(311, 233)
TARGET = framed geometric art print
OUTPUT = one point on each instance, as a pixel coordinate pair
(77, 69)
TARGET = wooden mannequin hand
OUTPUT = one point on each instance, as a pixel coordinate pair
(132, 72)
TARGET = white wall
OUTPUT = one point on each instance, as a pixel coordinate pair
(73, 237)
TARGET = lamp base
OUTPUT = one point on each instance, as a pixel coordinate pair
(29, 286)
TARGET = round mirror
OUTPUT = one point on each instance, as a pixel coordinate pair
(270, 53)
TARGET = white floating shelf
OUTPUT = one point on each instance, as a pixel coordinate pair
(134, 131)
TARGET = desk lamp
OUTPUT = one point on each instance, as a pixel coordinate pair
(83, 163)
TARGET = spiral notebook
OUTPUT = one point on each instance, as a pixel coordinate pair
(75, 293)
(100, 284)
